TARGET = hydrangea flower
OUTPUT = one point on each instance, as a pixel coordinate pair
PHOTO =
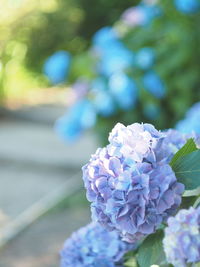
(79, 117)
(101, 98)
(182, 238)
(117, 57)
(140, 15)
(56, 67)
(187, 6)
(130, 183)
(93, 246)
(104, 37)
(80, 88)
(154, 85)
(145, 58)
(124, 90)
(191, 121)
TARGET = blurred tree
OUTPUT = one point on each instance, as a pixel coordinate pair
(69, 27)
(31, 31)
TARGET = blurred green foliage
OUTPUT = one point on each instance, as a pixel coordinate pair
(175, 37)
(30, 31)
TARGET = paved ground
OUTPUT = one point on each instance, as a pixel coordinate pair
(40, 244)
(33, 162)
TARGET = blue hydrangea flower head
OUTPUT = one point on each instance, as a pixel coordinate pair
(145, 58)
(182, 238)
(191, 121)
(93, 246)
(116, 58)
(56, 67)
(187, 6)
(130, 183)
(124, 90)
(79, 117)
(101, 98)
(104, 37)
(154, 85)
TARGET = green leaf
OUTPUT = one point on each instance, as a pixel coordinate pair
(131, 263)
(196, 204)
(190, 193)
(187, 202)
(187, 170)
(151, 251)
(189, 147)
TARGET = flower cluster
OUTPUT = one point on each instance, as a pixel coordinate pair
(191, 121)
(140, 15)
(187, 6)
(93, 246)
(71, 125)
(182, 238)
(174, 140)
(129, 71)
(56, 67)
(130, 183)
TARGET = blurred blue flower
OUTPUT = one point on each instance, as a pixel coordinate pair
(88, 115)
(151, 111)
(103, 103)
(94, 246)
(102, 100)
(124, 90)
(191, 121)
(104, 37)
(187, 6)
(56, 67)
(99, 84)
(115, 58)
(182, 238)
(79, 117)
(153, 84)
(145, 58)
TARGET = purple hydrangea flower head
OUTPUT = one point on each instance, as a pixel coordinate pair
(134, 16)
(140, 15)
(80, 87)
(182, 238)
(191, 121)
(93, 246)
(130, 183)
(187, 6)
(172, 142)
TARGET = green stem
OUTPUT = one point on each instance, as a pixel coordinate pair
(196, 203)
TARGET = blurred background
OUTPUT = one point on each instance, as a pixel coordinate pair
(69, 71)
